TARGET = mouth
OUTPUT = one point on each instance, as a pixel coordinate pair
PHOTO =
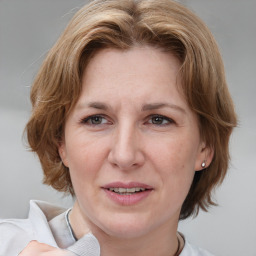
(127, 191)
(127, 194)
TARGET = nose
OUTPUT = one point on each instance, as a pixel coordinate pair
(126, 151)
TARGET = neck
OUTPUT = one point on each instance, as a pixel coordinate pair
(156, 243)
(162, 241)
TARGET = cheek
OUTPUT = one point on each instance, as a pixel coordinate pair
(174, 155)
(175, 162)
(85, 161)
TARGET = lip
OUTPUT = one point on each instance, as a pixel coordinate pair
(127, 200)
(120, 184)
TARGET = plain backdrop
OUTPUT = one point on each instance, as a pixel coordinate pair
(28, 29)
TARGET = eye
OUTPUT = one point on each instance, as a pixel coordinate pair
(94, 120)
(160, 120)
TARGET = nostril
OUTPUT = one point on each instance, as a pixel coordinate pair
(126, 159)
(125, 149)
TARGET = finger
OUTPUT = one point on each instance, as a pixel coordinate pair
(34, 248)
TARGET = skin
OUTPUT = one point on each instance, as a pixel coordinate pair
(40, 249)
(132, 124)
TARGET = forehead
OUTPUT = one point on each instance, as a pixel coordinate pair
(137, 68)
(155, 56)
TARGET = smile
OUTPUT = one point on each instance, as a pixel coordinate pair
(127, 191)
(127, 194)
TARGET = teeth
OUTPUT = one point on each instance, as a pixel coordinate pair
(126, 190)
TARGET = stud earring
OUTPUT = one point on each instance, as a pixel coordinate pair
(203, 164)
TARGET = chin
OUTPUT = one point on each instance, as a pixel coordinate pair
(126, 227)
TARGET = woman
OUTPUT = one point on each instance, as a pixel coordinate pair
(132, 116)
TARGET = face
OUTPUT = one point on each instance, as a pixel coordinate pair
(131, 143)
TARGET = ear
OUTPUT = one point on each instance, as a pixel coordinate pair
(63, 153)
(205, 155)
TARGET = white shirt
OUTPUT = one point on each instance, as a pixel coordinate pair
(47, 224)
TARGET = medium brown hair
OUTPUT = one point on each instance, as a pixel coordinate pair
(123, 24)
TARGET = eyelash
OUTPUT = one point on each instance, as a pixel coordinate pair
(90, 119)
(162, 118)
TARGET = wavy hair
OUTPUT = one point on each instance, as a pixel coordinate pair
(123, 24)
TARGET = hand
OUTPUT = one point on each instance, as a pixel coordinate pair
(36, 248)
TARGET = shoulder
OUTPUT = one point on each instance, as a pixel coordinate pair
(192, 250)
(15, 234)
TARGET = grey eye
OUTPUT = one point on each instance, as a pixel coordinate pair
(96, 120)
(157, 120)
(160, 120)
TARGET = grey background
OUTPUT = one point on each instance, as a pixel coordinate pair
(28, 28)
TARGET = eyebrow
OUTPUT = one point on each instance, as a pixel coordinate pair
(146, 107)
(98, 105)
(155, 106)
